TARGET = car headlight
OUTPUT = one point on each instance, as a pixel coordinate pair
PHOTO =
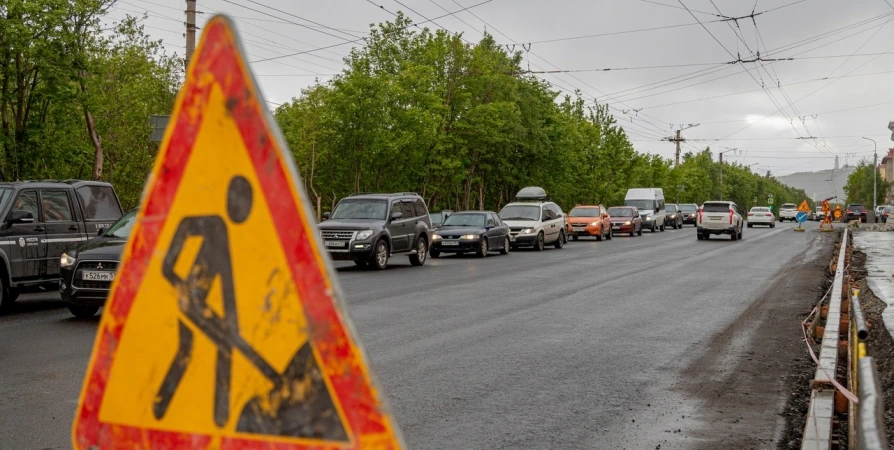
(527, 231)
(66, 261)
(673, 216)
(469, 236)
(365, 234)
(436, 237)
(627, 222)
(648, 217)
(594, 224)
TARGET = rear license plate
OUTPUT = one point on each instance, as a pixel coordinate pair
(449, 243)
(717, 218)
(336, 244)
(89, 275)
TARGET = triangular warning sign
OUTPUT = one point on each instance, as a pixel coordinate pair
(224, 328)
(804, 207)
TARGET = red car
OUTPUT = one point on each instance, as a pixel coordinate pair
(626, 219)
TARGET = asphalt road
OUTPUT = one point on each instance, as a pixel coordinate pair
(571, 348)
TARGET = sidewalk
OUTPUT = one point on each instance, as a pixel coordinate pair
(879, 250)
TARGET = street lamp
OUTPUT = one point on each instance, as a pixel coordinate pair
(874, 175)
(721, 169)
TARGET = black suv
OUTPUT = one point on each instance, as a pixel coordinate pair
(673, 216)
(856, 211)
(40, 220)
(370, 228)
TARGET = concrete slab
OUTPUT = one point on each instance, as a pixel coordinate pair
(828, 357)
(879, 250)
(818, 429)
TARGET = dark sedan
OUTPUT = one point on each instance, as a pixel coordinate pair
(88, 269)
(626, 219)
(856, 211)
(689, 211)
(471, 231)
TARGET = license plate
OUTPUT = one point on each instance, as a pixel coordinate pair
(334, 243)
(616, 226)
(449, 243)
(717, 218)
(89, 275)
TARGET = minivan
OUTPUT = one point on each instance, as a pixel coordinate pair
(650, 202)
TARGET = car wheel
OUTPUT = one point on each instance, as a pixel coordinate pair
(560, 242)
(610, 234)
(538, 243)
(83, 312)
(574, 237)
(482, 248)
(750, 225)
(640, 232)
(506, 247)
(421, 253)
(706, 236)
(7, 295)
(361, 262)
(734, 236)
(599, 236)
(699, 236)
(653, 228)
(434, 253)
(740, 233)
(379, 258)
(772, 225)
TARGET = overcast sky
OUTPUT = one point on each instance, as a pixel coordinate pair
(849, 46)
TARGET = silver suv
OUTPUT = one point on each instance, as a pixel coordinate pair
(719, 218)
(533, 221)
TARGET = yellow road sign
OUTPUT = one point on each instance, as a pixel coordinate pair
(224, 328)
(804, 207)
(838, 214)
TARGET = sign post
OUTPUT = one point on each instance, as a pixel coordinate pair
(225, 327)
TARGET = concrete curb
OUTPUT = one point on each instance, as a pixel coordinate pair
(879, 269)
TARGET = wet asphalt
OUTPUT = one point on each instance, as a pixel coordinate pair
(565, 348)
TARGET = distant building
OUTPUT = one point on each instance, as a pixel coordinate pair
(886, 172)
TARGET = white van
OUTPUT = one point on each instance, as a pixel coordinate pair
(650, 202)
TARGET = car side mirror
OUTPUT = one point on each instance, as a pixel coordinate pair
(20, 216)
(327, 215)
(101, 231)
(396, 215)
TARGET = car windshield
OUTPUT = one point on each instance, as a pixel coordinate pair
(584, 212)
(688, 208)
(361, 209)
(121, 228)
(642, 205)
(856, 206)
(620, 212)
(887, 209)
(788, 206)
(670, 209)
(435, 218)
(520, 212)
(760, 210)
(465, 220)
(716, 207)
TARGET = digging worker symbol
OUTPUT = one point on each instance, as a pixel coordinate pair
(310, 414)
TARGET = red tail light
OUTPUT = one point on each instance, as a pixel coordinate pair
(750, 214)
(730, 216)
(769, 215)
(849, 211)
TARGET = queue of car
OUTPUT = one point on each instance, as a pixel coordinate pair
(368, 229)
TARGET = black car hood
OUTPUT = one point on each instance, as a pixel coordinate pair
(456, 231)
(101, 247)
(350, 224)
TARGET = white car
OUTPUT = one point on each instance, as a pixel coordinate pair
(533, 221)
(761, 215)
(719, 217)
(788, 211)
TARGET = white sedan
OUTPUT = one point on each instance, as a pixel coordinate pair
(761, 215)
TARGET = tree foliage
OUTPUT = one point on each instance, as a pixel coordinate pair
(860, 182)
(465, 127)
(75, 99)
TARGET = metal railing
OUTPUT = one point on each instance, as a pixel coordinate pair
(869, 416)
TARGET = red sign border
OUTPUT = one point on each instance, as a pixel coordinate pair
(366, 413)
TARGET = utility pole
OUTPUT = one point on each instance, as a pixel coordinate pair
(874, 176)
(190, 29)
(679, 139)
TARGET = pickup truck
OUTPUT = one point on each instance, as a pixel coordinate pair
(40, 220)
(719, 217)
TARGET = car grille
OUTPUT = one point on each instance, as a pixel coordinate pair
(579, 224)
(338, 235)
(106, 266)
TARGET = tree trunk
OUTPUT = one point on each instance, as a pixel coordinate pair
(97, 144)
(481, 196)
